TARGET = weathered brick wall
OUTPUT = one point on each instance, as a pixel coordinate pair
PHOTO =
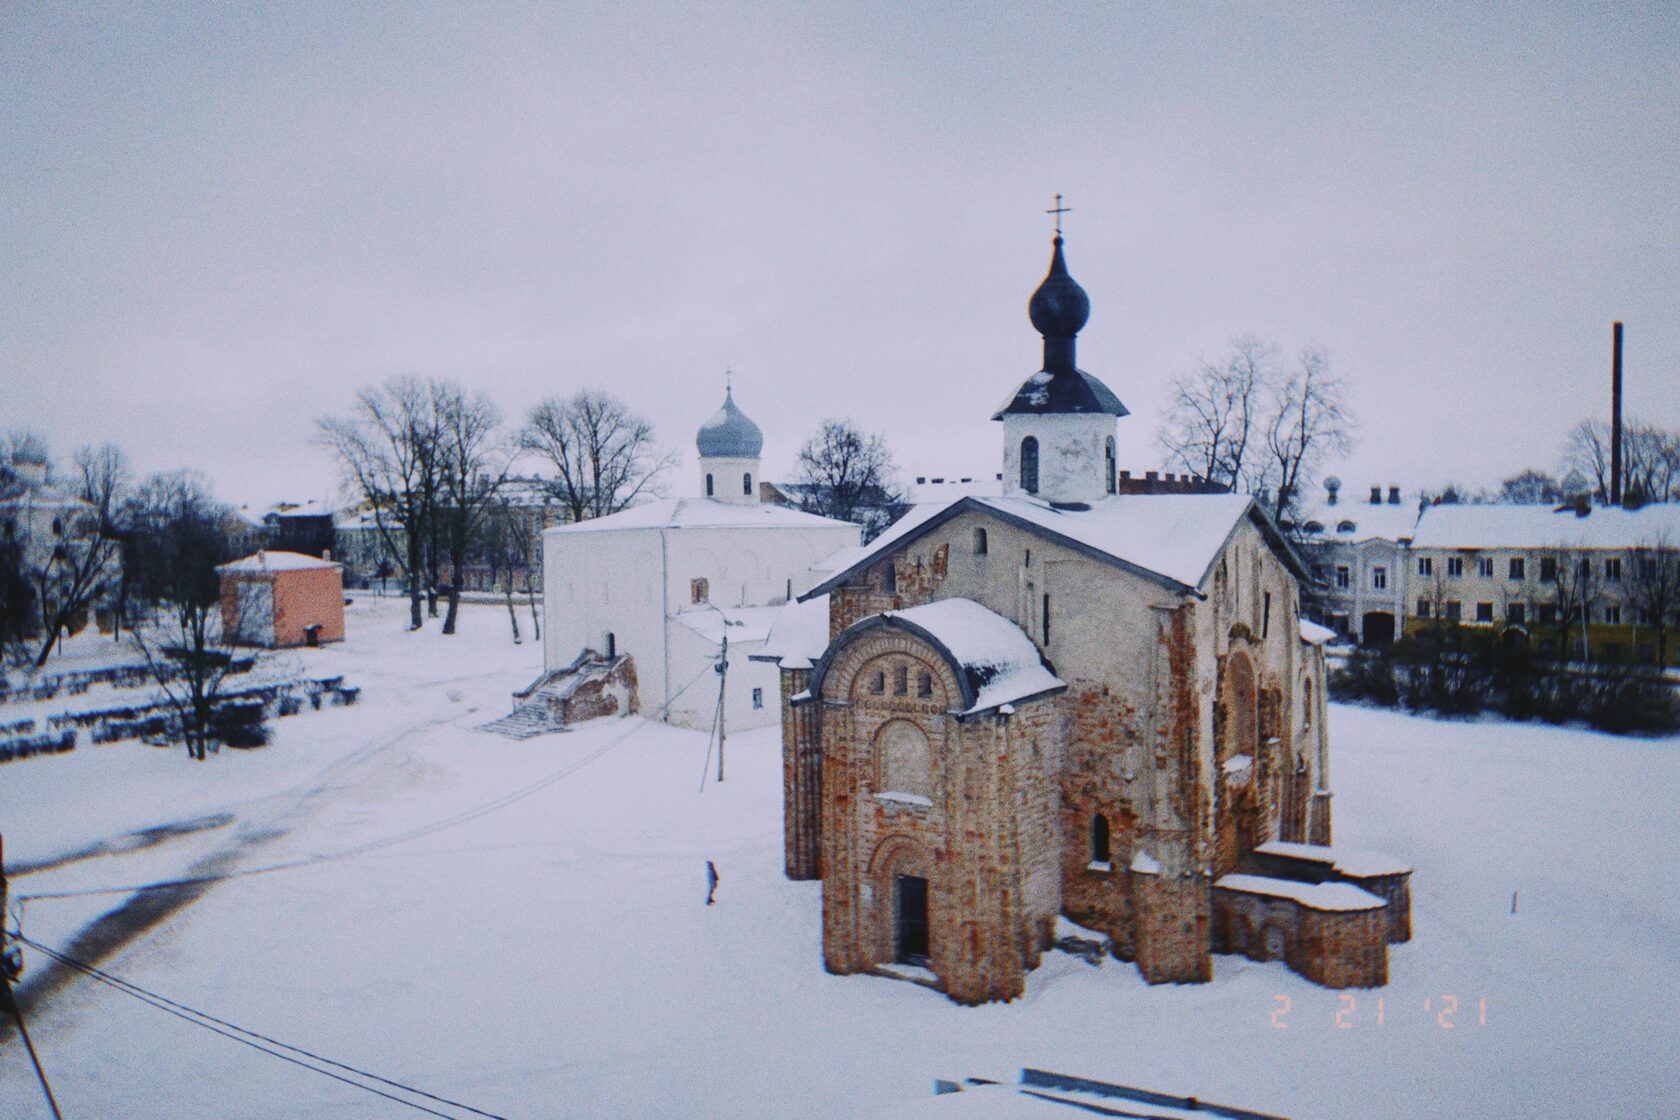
(801, 779)
(1344, 948)
(1336, 948)
(983, 834)
(607, 696)
(1174, 915)
(1396, 890)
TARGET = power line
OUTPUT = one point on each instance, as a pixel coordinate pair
(255, 1039)
(17, 1013)
(415, 833)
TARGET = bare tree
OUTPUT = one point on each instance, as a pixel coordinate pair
(1211, 425)
(1575, 591)
(1531, 488)
(512, 545)
(1654, 589)
(472, 466)
(77, 564)
(1308, 418)
(389, 449)
(1650, 459)
(603, 454)
(845, 473)
(183, 533)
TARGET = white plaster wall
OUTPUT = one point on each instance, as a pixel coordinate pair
(1072, 459)
(750, 567)
(693, 656)
(727, 475)
(624, 581)
(604, 581)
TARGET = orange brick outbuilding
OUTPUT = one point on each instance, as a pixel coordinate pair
(280, 599)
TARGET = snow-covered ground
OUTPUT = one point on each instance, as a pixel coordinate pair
(554, 956)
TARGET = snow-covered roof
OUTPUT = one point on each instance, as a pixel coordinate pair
(1358, 864)
(1514, 526)
(266, 561)
(1369, 521)
(930, 489)
(745, 624)
(1314, 634)
(996, 662)
(40, 495)
(1314, 896)
(702, 513)
(798, 636)
(1173, 537)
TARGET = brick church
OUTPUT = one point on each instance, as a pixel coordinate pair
(1091, 697)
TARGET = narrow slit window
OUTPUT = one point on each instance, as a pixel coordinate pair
(1029, 464)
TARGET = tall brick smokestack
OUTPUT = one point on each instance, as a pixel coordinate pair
(1616, 414)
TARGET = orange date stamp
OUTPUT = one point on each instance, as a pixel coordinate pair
(1447, 1010)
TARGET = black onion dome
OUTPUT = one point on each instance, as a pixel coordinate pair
(1060, 307)
(729, 434)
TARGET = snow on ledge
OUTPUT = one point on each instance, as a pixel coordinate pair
(1314, 896)
(1099, 865)
(1314, 634)
(1145, 864)
(897, 798)
(1360, 865)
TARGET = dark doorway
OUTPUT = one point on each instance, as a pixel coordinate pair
(1378, 629)
(912, 933)
(312, 636)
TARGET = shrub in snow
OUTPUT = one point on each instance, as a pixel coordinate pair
(1459, 672)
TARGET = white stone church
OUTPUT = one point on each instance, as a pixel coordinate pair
(665, 583)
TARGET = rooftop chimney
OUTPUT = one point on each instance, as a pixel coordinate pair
(1394, 495)
(1376, 495)
(1616, 413)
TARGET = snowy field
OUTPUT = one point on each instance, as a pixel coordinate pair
(554, 956)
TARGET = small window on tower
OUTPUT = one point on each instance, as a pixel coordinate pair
(1109, 464)
(746, 484)
(1099, 839)
(1029, 465)
(709, 488)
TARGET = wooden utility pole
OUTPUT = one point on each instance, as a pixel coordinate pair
(723, 682)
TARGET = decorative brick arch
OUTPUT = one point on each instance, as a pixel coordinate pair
(846, 669)
(1240, 701)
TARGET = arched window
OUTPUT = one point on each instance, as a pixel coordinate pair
(890, 578)
(1046, 618)
(709, 490)
(904, 759)
(979, 542)
(901, 680)
(924, 685)
(746, 484)
(1029, 464)
(612, 644)
(1099, 839)
(879, 684)
(1109, 464)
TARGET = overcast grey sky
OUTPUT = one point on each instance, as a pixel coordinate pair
(216, 222)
